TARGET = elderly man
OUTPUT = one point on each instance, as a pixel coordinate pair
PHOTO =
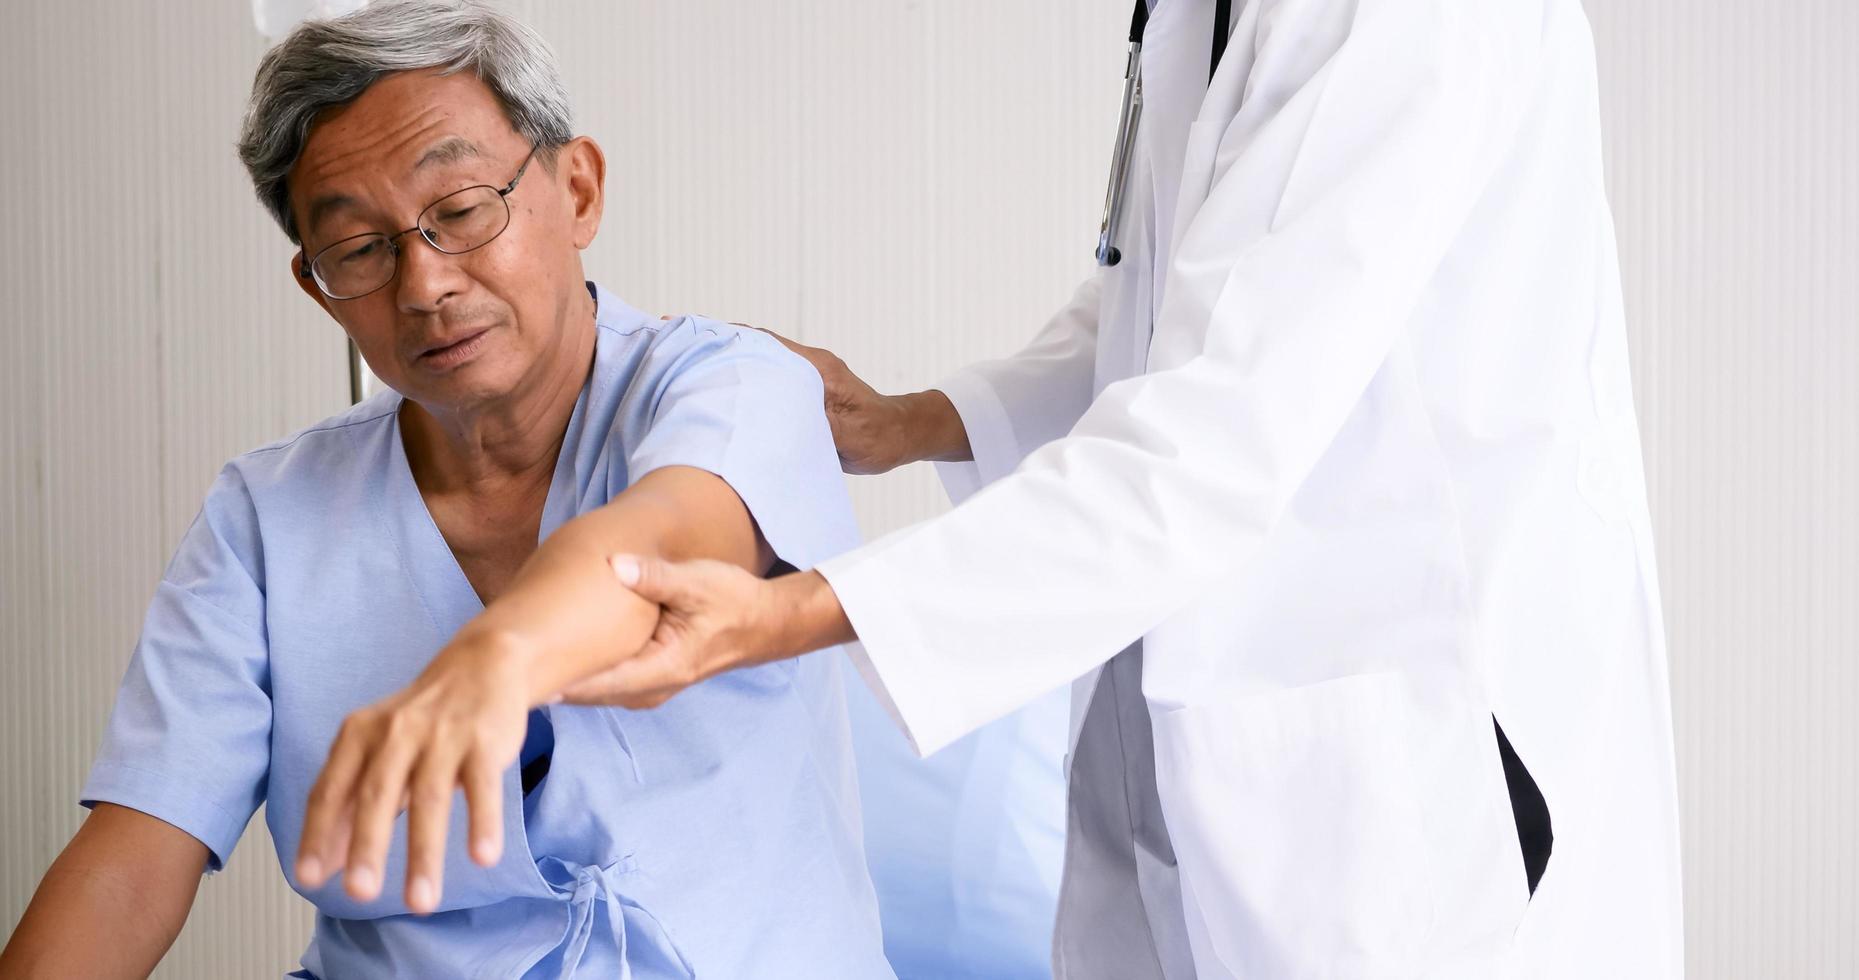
(430, 566)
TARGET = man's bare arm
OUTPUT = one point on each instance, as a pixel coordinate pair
(462, 721)
(562, 608)
(113, 901)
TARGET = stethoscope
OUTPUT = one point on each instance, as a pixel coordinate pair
(1127, 121)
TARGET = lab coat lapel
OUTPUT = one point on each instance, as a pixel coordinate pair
(1218, 106)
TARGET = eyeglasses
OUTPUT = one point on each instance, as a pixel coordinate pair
(454, 224)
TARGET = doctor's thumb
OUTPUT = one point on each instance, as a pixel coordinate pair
(651, 579)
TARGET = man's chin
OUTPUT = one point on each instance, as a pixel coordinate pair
(462, 389)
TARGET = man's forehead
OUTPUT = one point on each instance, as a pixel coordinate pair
(402, 126)
(405, 115)
(446, 151)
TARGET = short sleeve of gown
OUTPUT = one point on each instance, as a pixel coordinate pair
(189, 739)
(736, 403)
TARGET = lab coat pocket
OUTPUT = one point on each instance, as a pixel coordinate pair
(1295, 818)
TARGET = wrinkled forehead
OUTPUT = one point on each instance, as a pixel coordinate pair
(406, 134)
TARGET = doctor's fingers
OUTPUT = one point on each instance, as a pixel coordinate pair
(864, 423)
(823, 360)
(841, 384)
(645, 680)
(675, 587)
(429, 809)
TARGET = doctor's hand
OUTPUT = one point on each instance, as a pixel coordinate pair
(877, 433)
(460, 723)
(713, 617)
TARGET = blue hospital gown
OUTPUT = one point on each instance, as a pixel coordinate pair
(717, 835)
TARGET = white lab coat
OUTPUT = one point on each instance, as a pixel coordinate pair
(1347, 443)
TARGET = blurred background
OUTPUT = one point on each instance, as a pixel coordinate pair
(915, 184)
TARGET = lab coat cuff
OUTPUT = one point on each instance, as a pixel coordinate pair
(861, 661)
(990, 436)
(888, 654)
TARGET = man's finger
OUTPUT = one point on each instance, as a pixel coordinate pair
(326, 822)
(378, 793)
(483, 781)
(429, 810)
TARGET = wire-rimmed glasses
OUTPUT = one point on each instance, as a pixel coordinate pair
(454, 224)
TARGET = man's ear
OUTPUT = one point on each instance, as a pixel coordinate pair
(585, 167)
(307, 284)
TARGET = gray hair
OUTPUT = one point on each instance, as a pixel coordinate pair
(328, 63)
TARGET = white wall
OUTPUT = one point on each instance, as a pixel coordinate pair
(151, 331)
(914, 184)
(1734, 170)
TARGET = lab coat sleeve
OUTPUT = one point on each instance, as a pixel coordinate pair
(189, 741)
(1344, 163)
(1010, 407)
(1014, 405)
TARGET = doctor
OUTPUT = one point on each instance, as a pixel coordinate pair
(1328, 495)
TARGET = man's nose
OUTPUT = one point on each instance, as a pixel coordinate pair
(427, 275)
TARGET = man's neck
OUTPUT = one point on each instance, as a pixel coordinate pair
(515, 439)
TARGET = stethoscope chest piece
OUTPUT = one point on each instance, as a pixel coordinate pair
(1127, 120)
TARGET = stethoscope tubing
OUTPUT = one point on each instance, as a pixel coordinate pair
(1129, 119)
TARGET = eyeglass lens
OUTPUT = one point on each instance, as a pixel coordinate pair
(454, 224)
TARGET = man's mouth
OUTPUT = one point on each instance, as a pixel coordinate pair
(454, 352)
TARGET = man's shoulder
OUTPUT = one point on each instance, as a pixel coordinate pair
(330, 448)
(636, 348)
(665, 349)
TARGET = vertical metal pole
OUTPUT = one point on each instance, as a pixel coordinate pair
(355, 391)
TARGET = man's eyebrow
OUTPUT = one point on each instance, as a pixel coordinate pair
(449, 150)
(322, 206)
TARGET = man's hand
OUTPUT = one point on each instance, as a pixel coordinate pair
(713, 617)
(461, 723)
(877, 433)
